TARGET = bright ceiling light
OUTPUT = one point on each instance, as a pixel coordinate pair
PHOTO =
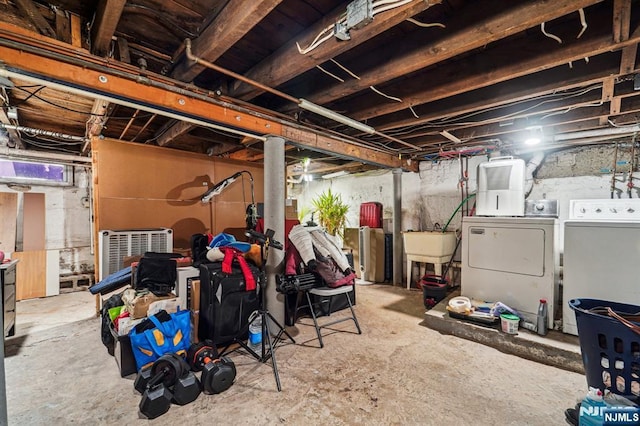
(335, 174)
(532, 141)
(533, 136)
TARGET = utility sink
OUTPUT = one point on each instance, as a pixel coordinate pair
(429, 243)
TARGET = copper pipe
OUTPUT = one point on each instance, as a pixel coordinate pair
(207, 64)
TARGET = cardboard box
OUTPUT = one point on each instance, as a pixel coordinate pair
(195, 309)
(291, 209)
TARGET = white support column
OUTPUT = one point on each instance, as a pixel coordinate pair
(397, 227)
(274, 196)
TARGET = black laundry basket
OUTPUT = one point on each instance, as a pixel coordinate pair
(610, 347)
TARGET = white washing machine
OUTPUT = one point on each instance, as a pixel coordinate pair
(601, 253)
(513, 260)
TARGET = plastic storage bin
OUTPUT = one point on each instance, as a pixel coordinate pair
(610, 349)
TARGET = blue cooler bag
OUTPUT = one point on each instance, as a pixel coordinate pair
(172, 336)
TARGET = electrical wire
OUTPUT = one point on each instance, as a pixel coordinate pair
(31, 94)
(425, 24)
(551, 36)
(389, 7)
(583, 22)
(352, 74)
(457, 119)
(45, 146)
(393, 98)
(34, 94)
(330, 74)
(316, 41)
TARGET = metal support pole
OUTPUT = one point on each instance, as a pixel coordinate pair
(274, 195)
(397, 227)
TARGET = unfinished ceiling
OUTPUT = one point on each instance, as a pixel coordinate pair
(353, 85)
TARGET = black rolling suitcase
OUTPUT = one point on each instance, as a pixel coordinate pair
(225, 304)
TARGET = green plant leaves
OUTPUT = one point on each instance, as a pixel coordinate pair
(332, 212)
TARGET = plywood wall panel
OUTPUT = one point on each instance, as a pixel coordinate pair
(8, 213)
(31, 274)
(139, 186)
(33, 232)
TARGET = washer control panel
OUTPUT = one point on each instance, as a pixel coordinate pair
(615, 209)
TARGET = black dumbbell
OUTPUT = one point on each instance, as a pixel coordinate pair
(168, 380)
(218, 373)
(156, 397)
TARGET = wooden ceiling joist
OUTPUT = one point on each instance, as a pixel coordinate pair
(512, 92)
(231, 24)
(29, 8)
(104, 27)
(279, 67)
(534, 58)
(512, 21)
(82, 77)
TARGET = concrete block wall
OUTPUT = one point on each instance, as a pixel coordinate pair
(67, 223)
(430, 196)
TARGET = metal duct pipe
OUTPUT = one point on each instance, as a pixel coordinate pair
(23, 154)
(599, 132)
(42, 132)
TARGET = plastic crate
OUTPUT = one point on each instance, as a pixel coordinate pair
(610, 349)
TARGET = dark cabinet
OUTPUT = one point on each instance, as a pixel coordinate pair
(8, 281)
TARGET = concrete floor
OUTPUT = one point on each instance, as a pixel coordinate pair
(396, 372)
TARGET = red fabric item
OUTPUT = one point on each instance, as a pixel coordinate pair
(291, 260)
(230, 254)
(116, 320)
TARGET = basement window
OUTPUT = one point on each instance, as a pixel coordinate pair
(12, 171)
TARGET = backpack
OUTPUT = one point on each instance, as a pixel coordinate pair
(199, 248)
(105, 328)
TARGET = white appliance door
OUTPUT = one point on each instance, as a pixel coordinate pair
(515, 250)
(600, 262)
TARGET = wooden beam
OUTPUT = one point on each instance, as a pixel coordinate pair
(621, 20)
(76, 30)
(608, 86)
(628, 60)
(29, 8)
(231, 24)
(123, 50)
(63, 26)
(317, 142)
(508, 92)
(98, 118)
(287, 62)
(147, 94)
(14, 136)
(104, 26)
(521, 17)
(445, 83)
(252, 154)
(172, 132)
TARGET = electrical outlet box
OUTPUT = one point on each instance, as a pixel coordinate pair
(340, 32)
(359, 13)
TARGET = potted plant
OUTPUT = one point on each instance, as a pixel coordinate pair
(332, 212)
